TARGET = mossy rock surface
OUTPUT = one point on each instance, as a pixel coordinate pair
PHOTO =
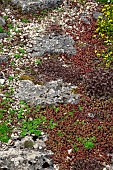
(26, 77)
(28, 144)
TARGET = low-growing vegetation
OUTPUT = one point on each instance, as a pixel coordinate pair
(84, 129)
(105, 31)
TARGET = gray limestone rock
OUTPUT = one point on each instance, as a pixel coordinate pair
(3, 58)
(34, 5)
(84, 18)
(2, 21)
(97, 14)
(53, 92)
(2, 78)
(3, 35)
(26, 154)
(52, 44)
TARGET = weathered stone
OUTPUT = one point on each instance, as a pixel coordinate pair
(34, 5)
(52, 44)
(3, 59)
(3, 35)
(97, 14)
(26, 154)
(53, 92)
(2, 78)
(2, 81)
(84, 18)
(92, 115)
(2, 21)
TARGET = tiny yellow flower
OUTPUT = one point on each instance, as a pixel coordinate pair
(98, 55)
(107, 64)
(103, 9)
(99, 17)
(97, 30)
(110, 21)
(95, 51)
(102, 35)
(111, 52)
(107, 37)
(106, 41)
(108, 13)
(106, 6)
(94, 36)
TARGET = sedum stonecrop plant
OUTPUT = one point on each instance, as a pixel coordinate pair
(105, 1)
(105, 31)
(99, 83)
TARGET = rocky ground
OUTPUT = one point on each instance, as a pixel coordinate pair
(46, 58)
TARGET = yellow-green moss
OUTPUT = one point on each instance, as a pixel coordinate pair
(74, 90)
(28, 144)
(25, 77)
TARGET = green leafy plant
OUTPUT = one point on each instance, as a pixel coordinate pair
(70, 113)
(5, 17)
(59, 133)
(105, 1)
(59, 9)
(21, 51)
(9, 33)
(88, 143)
(4, 132)
(75, 148)
(80, 108)
(1, 114)
(56, 109)
(17, 56)
(31, 126)
(1, 29)
(10, 78)
(22, 102)
(79, 139)
(25, 20)
(37, 61)
(11, 92)
(20, 113)
(17, 30)
(12, 63)
(44, 12)
(99, 127)
(51, 124)
(10, 26)
(12, 111)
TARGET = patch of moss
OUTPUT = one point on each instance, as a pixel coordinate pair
(25, 77)
(31, 78)
(74, 90)
(40, 83)
(28, 144)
